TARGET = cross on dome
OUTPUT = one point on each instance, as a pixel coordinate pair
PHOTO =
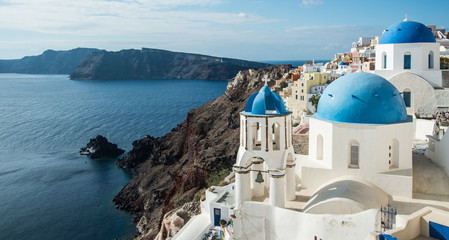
(405, 18)
(266, 80)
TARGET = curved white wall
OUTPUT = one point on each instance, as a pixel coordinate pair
(262, 221)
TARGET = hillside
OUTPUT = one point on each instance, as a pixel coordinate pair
(172, 170)
(49, 62)
(158, 64)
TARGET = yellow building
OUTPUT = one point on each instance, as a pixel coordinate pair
(298, 101)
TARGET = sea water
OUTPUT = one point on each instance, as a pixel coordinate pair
(49, 191)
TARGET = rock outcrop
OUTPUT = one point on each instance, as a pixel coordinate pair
(158, 64)
(175, 219)
(49, 62)
(172, 170)
(441, 119)
(100, 147)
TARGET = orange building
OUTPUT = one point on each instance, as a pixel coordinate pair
(297, 75)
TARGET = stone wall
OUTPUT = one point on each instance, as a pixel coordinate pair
(301, 143)
(445, 78)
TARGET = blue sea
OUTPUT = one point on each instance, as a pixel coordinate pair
(49, 191)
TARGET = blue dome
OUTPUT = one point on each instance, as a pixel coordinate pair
(265, 102)
(407, 32)
(362, 98)
(342, 64)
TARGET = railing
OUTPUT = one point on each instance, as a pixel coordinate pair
(388, 217)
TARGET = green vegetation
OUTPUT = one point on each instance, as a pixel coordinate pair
(315, 99)
(444, 63)
(284, 84)
(216, 178)
(200, 195)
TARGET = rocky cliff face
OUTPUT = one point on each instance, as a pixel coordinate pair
(172, 170)
(158, 64)
(49, 62)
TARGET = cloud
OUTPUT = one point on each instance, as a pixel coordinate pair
(104, 17)
(310, 3)
(329, 39)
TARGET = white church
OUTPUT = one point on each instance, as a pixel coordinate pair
(359, 161)
(408, 56)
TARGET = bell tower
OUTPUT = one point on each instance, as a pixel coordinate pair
(265, 160)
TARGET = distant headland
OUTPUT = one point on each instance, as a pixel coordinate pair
(96, 64)
(49, 62)
(158, 64)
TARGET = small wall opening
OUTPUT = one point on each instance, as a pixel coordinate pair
(276, 136)
(242, 133)
(354, 154)
(407, 96)
(289, 132)
(256, 138)
(407, 60)
(319, 147)
(431, 60)
(384, 60)
(393, 154)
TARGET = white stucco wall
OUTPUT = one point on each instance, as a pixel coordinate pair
(423, 127)
(424, 98)
(273, 159)
(409, 227)
(346, 195)
(261, 221)
(440, 153)
(374, 142)
(419, 61)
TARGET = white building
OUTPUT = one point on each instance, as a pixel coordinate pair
(342, 69)
(409, 46)
(360, 156)
(409, 57)
(314, 67)
(359, 160)
(361, 128)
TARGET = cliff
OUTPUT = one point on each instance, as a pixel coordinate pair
(158, 64)
(172, 170)
(49, 62)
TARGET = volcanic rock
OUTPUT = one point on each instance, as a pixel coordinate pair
(99, 147)
(172, 170)
(158, 64)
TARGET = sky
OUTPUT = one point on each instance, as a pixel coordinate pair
(252, 30)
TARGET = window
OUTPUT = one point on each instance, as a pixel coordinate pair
(354, 154)
(302, 98)
(319, 147)
(384, 60)
(256, 139)
(296, 96)
(242, 133)
(407, 61)
(276, 137)
(407, 96)
(430, 60)
(302, 90)
(393, 159)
